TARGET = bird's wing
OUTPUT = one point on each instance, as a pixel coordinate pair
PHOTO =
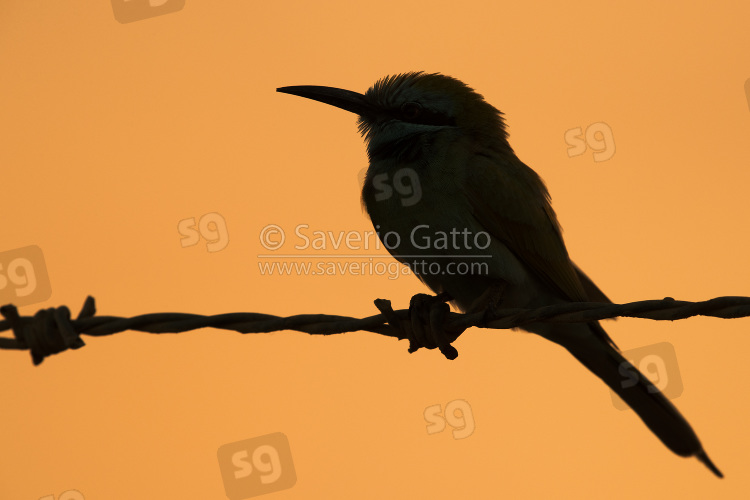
(593, 292)
(513, 205)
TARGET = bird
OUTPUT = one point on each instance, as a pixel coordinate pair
(449, 197)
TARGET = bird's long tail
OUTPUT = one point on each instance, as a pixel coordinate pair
(633, 387)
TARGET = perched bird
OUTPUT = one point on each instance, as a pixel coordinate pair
(449, 197)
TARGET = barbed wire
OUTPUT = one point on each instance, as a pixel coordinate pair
(51, 331)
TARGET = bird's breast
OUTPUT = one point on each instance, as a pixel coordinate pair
(417, 200)
(422, 215)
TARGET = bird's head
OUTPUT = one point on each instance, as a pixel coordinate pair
(413, 104)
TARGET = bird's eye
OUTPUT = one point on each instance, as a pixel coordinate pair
(411, 110)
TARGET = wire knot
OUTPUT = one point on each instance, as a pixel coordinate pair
(49, 331)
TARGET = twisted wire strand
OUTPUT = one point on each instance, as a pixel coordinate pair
(51, 331)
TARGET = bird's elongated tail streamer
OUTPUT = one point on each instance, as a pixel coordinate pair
(656, 411)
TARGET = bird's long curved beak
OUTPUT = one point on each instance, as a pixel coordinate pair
(344, 99)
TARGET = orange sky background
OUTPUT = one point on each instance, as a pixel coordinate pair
(112, 133)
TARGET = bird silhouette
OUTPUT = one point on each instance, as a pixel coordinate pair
(449, 197)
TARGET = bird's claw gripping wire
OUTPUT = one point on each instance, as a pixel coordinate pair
(426, 325)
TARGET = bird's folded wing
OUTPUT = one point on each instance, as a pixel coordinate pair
(593, 293)
(510, 201)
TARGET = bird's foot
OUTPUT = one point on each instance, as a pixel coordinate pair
(426, 324)
(489, 302)
(427, 315)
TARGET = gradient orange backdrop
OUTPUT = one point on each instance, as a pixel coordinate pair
(112, 133)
